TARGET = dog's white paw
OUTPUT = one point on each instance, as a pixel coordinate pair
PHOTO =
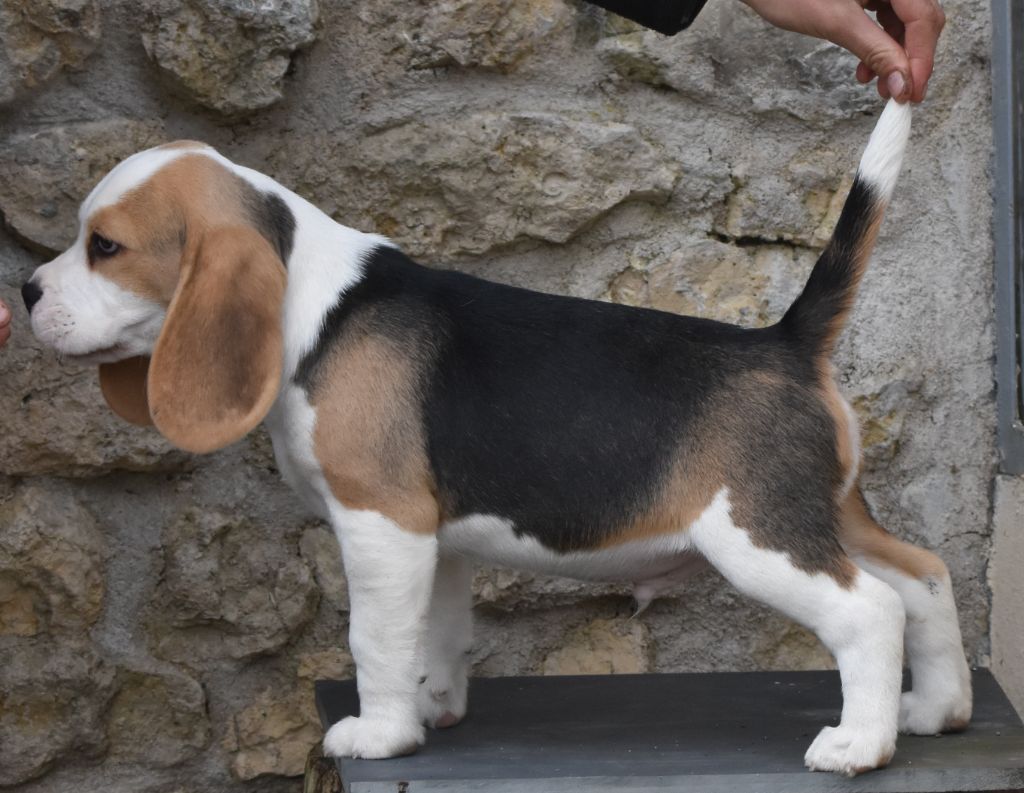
(923, 715)
(847, 751)
(441, 700)
(372, 739)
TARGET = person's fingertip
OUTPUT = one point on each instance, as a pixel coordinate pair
(5, 314)
(897, 85)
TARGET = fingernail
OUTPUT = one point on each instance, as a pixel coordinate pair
(5, 313)
(897, 85)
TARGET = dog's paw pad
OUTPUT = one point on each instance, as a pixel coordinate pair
(355, 736)
(846, 751)
(442, 703)
(447, 719)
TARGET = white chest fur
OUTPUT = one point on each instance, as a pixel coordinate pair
(290, 425)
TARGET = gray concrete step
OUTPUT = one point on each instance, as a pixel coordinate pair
(706, 733)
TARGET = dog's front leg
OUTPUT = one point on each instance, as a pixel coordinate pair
(390, 573)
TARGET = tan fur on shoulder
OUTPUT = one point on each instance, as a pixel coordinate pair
(368, 435)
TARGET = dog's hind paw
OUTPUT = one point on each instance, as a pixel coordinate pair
(933, 715)
(441, 700)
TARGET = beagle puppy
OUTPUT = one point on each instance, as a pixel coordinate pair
(434, 418)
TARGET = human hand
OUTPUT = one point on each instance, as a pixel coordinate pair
(899, 50)
(5, 323)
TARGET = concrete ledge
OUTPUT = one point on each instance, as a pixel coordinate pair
(703, 733)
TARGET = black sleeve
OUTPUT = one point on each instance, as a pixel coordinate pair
(664, 16)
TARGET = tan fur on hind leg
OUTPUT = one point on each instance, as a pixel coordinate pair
(940, 700)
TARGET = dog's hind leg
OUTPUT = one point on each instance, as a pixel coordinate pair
(447, 644)
(390, 573)
(940, 700)
(858, 618)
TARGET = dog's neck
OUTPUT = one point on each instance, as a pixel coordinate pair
(326, 259)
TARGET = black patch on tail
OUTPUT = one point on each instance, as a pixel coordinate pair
(832, 285)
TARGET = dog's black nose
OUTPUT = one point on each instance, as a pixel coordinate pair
(30, 293)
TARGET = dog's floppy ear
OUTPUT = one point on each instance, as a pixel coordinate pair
(124, 387)
(216, 367)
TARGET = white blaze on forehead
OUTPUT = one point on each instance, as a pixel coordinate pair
(125, 177)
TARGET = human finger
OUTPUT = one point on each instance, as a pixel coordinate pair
(877, 50)
(923, 21)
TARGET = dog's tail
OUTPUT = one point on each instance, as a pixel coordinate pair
(819, 313)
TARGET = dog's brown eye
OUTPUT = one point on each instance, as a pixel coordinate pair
(101, 246)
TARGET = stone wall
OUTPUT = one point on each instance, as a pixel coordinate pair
(162, 616)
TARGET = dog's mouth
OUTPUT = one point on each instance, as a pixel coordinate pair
(111, 354)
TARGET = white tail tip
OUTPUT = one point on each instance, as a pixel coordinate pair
(880, 165)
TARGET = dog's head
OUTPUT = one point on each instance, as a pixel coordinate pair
(174, 286)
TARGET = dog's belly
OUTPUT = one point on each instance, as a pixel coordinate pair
(494, 540)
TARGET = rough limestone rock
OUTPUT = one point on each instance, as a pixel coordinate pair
(546, 177)
(51, 563)
(749, 286)
(513, 591)
(792, 648)
(53, 419)
(230, 589)
(50, 171)
(320, 549)
(53, 695)
(39, 38)
(881, 415)
(495, 34)
(602, 647)
(229, 55)
(798, 205)
(334, 663)
(732, 58)
(274, 733)
(158, 719)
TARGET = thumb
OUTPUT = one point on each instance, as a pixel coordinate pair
(878, 51)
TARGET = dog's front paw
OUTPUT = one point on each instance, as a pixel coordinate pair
(932, 715)
(372, 739)
(848, 751)
(441, 700)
